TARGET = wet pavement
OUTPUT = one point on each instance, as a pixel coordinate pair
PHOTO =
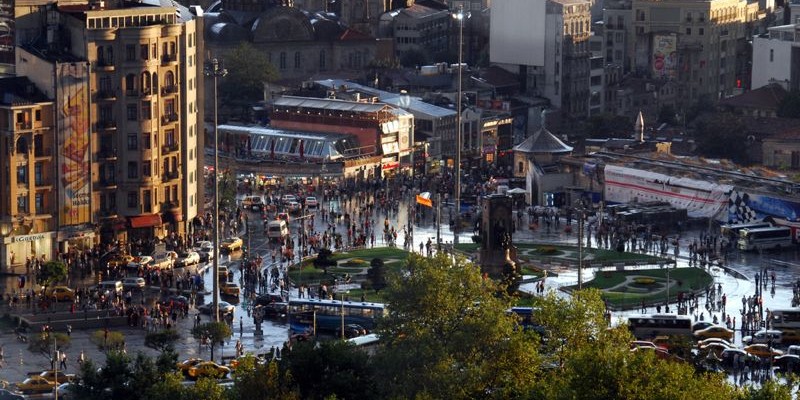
(19, 361)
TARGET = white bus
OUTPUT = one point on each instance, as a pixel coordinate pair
(731, 231)
(765, 238)
(646, 326)
(788, 322)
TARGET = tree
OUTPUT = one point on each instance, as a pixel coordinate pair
(168, 387)
(253, 380)
(722, 135)
(667, 115)
(206, 389)
(447, 335)
(770, 390)
(790, 105)
(376, 274)
(162, 340)
(248, 71)
(51, 272)
(324, 260)
(214, 332)
(330, 368)
(43, 343)
(108, 340)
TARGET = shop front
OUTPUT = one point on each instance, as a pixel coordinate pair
(144, 228)
(16, 249)
(81, 238)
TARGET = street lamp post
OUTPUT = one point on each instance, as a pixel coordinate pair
(215, 70)
(460, 16)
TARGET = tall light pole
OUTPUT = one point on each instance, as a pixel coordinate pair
(460, 16)
(215, 70)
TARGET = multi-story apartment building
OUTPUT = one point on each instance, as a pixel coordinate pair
(616, 24)
(126, 86)
(776, 57)
(693, 42)
(27, 174)
(420, 31)
(559, 71)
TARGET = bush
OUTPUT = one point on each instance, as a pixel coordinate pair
(114, 341)
(644, 281)
(548, 250)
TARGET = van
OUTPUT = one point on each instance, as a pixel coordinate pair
(111, 286)
(254, 203)
(277, 229)
(771, 337)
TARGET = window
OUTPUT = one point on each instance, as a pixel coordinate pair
(169, 107)
(322, 60)
(130, 52)
(147, 200)
(520, 166)
(133, 200)
(688, 31)
(169, 137)
(133, 170)
(133, 141)
(37, 174)
(22, 204)
(297, 60)
(22, 174)
(37, 115)
(132, 112)
(147, 112)
(283, 60)
(39, 203)
(144, 51)
(130, 82)
(147, 168)
(146, 141)
(701, 31)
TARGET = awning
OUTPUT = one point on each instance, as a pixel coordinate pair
(146, 221)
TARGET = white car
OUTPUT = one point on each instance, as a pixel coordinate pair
(288, 198)
(187, 259)
(142, 261)
(133, 283)
(294, 206)
(311, 202)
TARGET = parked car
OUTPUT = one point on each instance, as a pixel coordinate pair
(716, 331)
(254, 203)
(294, 207)
(57, 376)
(140, 262)
(188, 258)
(787, 363)
(60, 293)
(224, 308)
(287, 198)
(133, 283)
(187, 364)
(208, 369)
(700, 325)
(230, 289)
(762, 350)
(706, 342)
(311, 202)
(231, 244)
(120, 260)
(769, 336)
(35, 384)
(165, 261)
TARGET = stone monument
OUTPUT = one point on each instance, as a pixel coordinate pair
(497, 248)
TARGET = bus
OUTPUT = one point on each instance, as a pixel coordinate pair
(315, 315)
(765, 238)
(788, 322)
(646, 326)
(368, 343)
(731, 231)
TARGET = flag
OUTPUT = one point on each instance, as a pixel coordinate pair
(424, 198)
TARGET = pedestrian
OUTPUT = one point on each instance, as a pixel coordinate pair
(241, 326)
(63, 362)
(69, 330)
(2, 356)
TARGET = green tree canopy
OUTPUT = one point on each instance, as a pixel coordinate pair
(322, 369)
(161, 340)
(376, 274)
(51, 272)
(447, 335)
(43, 343)
(253, 380)
(722, 135)
(215, 332)
(248, 70)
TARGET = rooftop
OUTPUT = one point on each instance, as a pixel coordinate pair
(19, 90)
(767, 97)
(329, 104)
(413, 104)
(543, 142)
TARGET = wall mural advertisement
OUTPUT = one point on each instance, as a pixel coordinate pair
(73, 143)
(665, 56)
(6, 31)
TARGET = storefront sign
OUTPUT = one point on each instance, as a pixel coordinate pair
(28, 238)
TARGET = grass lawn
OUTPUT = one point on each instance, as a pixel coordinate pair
(369, 295)
(568, 253)
(632, 294)
(467, 247)
(357, 262)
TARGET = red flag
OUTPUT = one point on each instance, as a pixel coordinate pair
(302, 148)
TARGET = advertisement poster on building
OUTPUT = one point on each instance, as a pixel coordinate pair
(6, 34)
(73, 143)
(665, 56)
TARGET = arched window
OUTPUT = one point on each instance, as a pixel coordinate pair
(297, 60)
(145, 82)
(169, 79)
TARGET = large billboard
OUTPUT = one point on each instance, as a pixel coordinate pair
(665, 56)
(6, 32)
(517, 32)
(72, 86)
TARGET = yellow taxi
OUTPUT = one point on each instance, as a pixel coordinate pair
(208, 369)
(61, 293)
(185, 365)
(36, 384)
(716, 331)
(762, 350)
(121, 260)
(57, 377)
(231, 244)
(230, 289)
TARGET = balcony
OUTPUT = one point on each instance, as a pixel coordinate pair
(42, 152)
(107, 125)
(169, 89)
(44, 184)
(169, 148)
(106, 95)
(169, 176)
(22, 126)
(107, 154)
(146, 93)
(104, 65)
(169, 59)
(108, 182)
(168, 119)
